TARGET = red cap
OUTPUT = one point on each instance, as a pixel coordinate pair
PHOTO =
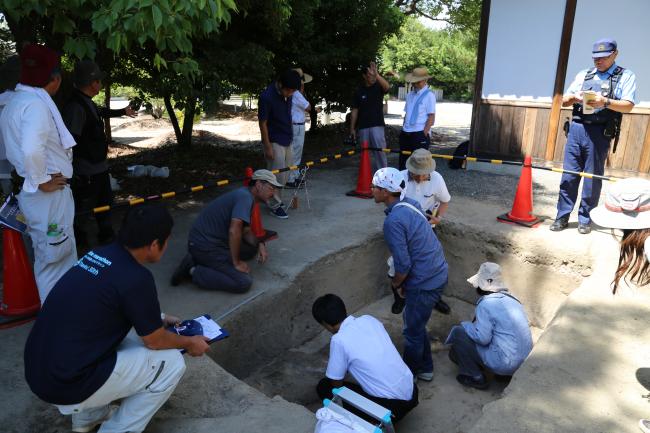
(37, 64)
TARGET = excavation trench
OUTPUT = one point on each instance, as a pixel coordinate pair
(281, 350)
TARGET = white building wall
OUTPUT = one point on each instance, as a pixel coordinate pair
(522, 49)
(628, 26)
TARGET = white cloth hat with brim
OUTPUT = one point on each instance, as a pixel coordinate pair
(488, 278)
(266, 176)
(418, 74)
(626, 206)
(420, 162)
(306, 78)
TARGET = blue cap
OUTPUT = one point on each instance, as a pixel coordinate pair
(603, 48)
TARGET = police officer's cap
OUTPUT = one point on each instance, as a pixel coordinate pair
(603, 48)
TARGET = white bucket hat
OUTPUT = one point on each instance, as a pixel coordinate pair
(626, 207)
(488, 278)
(420, 162)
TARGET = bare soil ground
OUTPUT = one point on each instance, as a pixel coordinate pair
(222, 148)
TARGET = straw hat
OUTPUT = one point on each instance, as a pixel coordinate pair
(420, 162)
(306, 78)
(418, 74)
(626, 207)
(488, 278)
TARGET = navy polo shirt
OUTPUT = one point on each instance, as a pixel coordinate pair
(276, 110)
(72, 348)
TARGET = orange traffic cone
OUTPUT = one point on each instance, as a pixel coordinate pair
(20, 298)
(522, 208)
(365, 176)
(256, 218)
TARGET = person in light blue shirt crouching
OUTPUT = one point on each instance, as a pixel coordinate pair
(498, 339)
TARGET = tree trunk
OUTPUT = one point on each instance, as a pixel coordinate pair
(313, 117)
(188, 121)
(107, 119)
(172, 117)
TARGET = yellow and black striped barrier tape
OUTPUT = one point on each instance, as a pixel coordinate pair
(325, 159)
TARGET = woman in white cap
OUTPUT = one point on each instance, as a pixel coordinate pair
(425, 185)
(627, 207)
(498, 338)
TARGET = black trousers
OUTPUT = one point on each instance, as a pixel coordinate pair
(399, 408)
(90, 192)
(411, 141)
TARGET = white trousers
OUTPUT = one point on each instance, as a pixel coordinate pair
(297, 144)
(55, 253)
(281, 158)
(143, 378)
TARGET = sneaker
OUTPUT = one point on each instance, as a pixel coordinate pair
(90, 427)
(398, 306)
(293, 185)
(469, 381)
(427, 377)
(584, 229)
(559, 224)
(644, 425)
(182, 272)
(442, 307)
(279, 212)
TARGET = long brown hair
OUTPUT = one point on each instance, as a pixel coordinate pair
(632, 263)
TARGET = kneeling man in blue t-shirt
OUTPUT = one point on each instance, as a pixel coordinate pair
(78, 355)
(362, 347)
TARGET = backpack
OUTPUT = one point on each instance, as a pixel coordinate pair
(461, 151)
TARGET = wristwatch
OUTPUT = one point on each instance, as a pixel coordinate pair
(607, 103)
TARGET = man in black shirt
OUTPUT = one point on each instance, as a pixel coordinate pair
(91, 183)
(78, 355)
(368, 114)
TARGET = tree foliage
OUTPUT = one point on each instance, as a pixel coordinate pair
(462, 15)
(446, 55)
(151, 40)
(192, 53)
(335, 38)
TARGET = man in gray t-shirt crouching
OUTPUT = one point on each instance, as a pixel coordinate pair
(220, 240)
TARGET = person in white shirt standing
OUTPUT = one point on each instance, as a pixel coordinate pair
(40, 148)
(362, 347)
(419, 116)
(298, 107)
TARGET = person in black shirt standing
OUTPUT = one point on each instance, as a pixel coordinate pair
(368, 115)
(91, 185)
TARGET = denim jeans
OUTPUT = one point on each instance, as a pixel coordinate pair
(586, 150)
(465, 352)
(214, 269)
(417, 349)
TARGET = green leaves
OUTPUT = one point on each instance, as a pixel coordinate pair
(157, 16)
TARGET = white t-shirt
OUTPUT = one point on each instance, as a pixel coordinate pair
(298, 106)
(427, 106)
(428, 193)
(362, 347)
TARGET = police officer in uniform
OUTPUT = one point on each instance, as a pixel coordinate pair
(590, 134)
